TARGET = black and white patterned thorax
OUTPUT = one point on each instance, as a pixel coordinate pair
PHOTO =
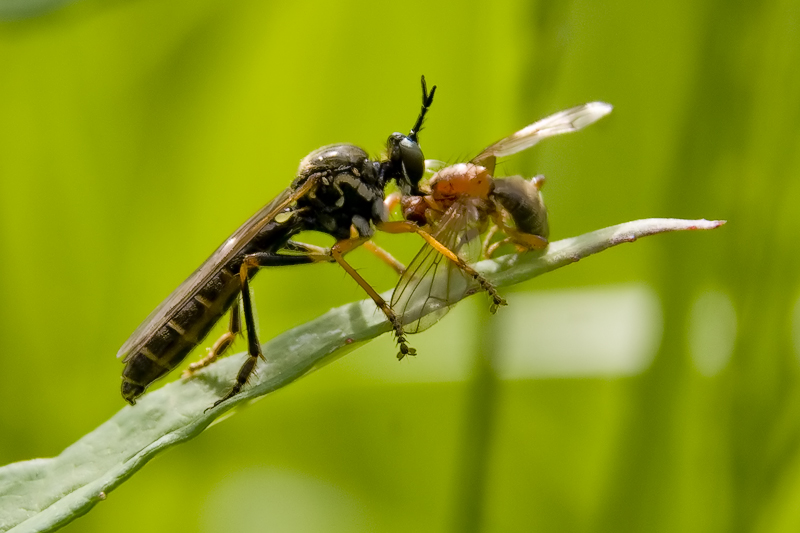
(349, 191)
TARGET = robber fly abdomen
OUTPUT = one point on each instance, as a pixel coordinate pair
(189, 324)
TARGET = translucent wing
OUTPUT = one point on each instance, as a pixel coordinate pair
(227, 250)
(565, 121)
(432, 282)
(432, 166)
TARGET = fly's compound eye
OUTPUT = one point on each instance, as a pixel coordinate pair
(406, 163)
(413, 161)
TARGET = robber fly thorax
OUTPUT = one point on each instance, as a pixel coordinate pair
(338, 190)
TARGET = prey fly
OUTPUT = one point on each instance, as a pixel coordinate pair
(459, 204)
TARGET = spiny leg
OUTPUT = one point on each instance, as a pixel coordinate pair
(410, 227)
(226, 339)
(253, 347)
(250, 263)
(337, 252)
(221, 346)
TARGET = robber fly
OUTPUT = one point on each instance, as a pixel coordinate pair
(459, 204)
(339, 191)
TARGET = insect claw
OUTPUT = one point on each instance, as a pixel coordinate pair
(213, 406)
(497, 303)
(405, 349)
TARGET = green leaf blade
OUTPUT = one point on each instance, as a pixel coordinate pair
(45, 494)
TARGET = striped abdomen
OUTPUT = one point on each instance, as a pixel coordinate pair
(523, 201)
(184, 327)
(173, 341)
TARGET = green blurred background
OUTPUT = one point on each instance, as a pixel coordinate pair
(651, 388)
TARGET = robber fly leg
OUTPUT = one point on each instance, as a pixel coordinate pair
(337, 252)
(252, 262)
(223, 343)
(374, 249)
(309, 249)
(385, 256)
(392, 201)
(409, 227)
(253, 347)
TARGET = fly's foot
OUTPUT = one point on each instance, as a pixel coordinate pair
(234, 391)
(497, 302)
(405, 349)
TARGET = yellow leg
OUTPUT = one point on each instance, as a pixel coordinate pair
(337, 252)
(392, 201)
(409, 227)
(521, 240)
(489, 235)
(220, 347)
(385, 256)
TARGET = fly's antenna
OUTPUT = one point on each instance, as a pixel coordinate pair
(427, 100)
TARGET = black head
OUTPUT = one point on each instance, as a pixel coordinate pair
(405, 162)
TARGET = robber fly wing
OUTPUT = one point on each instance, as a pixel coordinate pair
(432, 282)
(562, 122)
(198, 279)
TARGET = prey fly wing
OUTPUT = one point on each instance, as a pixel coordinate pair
(432, 283)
